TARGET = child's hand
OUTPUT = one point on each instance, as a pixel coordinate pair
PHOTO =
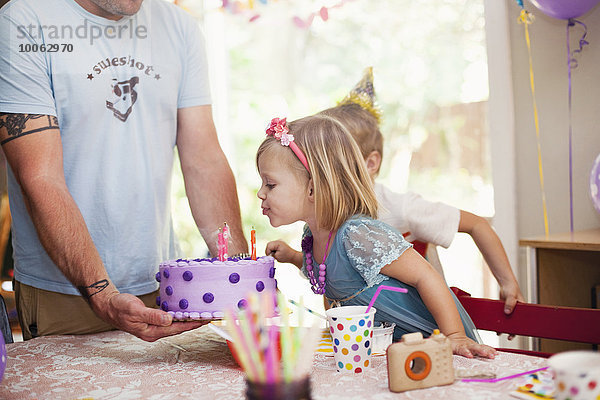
(463, 346)
(510, 293)
(283, 253)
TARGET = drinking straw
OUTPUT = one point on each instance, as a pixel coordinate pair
(274, 344)
(504, 378)
(308, 309)
(239, 345)
(269, 340)
(307, 351)
(220, 332)
(297, 331)
(249, 334)
(379, 289)
(285, 335)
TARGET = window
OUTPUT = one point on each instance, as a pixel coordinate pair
(430, 65)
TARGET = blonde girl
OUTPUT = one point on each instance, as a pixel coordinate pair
(312, 171)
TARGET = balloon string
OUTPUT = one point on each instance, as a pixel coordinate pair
(572, 63)
(525, 18)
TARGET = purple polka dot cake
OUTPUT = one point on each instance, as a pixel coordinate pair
(205, 288)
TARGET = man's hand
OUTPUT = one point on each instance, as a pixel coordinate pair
(128, 313)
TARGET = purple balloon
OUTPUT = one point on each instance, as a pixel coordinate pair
(564, 9)
(595, 183)
(3, 356)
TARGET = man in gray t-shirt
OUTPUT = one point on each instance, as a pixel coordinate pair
(94, 97)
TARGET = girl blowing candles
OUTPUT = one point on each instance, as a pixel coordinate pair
(312, 171)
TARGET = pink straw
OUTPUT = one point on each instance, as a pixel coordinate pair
(379, 289)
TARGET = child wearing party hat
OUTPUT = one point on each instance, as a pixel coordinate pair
(312, 171)
(429, 222)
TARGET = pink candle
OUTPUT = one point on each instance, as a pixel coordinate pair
(225, 241)
(220, 242)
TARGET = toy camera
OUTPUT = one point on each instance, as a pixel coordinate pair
(417, 363)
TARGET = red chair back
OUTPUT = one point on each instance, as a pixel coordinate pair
(536, 320)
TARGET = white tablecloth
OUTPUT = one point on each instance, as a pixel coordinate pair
(198, 365)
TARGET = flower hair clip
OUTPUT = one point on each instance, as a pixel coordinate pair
(279, 130)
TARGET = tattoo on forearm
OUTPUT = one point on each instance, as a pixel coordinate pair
(15, 124)
(94, 288)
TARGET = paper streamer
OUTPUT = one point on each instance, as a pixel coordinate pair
(526, 18)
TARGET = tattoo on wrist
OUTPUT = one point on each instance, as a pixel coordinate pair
(15, 125)
(94, 288)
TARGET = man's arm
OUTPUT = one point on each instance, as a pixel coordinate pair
(209, 182)
(33, 148)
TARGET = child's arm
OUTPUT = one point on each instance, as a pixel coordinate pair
(494, 255)
(412, 269)
(284, 253)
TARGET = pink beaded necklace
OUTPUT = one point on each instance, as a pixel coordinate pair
(317, 284)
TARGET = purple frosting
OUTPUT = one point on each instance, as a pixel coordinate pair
(188, 276)
(158, 300)
(157, 276)
(234, 278)
(165, 306)
(166, 273)
(208, 297)
(260, 286)
(169, 290)
(272, 272)
(183, 304)
(242, 303)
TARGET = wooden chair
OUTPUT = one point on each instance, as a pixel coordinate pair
(541, 321)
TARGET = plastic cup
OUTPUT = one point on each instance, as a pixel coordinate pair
(577, 374)
(351, 329)
(382, 337)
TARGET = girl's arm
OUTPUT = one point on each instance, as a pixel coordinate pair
(284, 253)
(414, 270)
(494, 255)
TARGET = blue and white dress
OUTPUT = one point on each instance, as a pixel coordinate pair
(360, 249)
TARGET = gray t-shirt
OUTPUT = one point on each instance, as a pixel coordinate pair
(115, 87)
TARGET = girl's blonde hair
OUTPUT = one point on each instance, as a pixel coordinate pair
(362, 125)
(342, 186)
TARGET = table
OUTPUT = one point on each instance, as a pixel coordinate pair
(198, 365)
(562, 270)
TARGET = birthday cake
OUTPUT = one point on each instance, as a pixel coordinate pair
(205, 288)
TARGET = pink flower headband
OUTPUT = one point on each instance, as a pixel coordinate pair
(279, 130)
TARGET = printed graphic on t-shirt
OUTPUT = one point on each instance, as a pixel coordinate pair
(124, 97)
(122, 92)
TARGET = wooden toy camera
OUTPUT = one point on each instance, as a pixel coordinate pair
(417, 363)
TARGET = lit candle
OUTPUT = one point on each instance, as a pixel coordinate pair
(253, 243)
(225, 241)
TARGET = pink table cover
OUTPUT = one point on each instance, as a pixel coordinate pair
(198, 365)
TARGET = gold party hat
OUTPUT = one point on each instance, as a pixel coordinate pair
(363, 94)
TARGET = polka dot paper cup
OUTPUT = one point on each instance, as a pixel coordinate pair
(577, 374)
(351, 330)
